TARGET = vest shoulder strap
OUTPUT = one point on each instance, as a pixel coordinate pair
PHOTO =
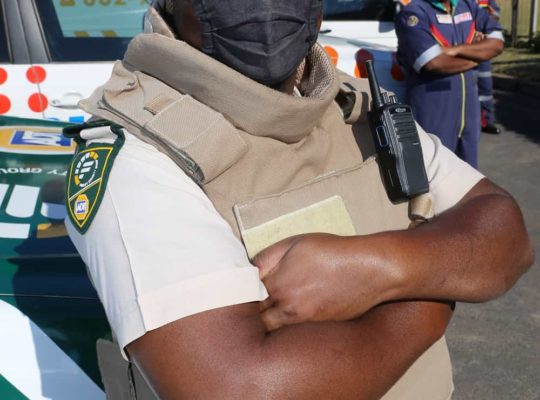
(199, 139)
(353, 97)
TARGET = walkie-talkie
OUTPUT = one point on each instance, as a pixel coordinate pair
(397, 143)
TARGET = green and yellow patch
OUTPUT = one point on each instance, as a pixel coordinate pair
(88, 174)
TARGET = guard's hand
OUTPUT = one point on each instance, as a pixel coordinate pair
(320, 277)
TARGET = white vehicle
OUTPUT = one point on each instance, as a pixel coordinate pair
(355, 31)
(55, 52)
(365, 21)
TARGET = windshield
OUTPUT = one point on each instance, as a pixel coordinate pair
(90, 30)
(359, 10)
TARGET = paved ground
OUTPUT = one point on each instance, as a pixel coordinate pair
(496, 346)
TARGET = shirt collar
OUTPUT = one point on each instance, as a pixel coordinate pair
(438, 4)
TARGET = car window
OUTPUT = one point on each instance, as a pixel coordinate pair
(360, 10)
(90, 30)
(4, 50)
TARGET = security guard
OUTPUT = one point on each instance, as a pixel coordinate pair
(205, 151)
(485, 79)
(438, 47)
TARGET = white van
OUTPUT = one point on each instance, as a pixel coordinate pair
(55, 52)
(365, 21)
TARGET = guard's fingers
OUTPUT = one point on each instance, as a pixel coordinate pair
(266, 304)
(279, 315)
(273, 318)
(266, 261)
(269, 258)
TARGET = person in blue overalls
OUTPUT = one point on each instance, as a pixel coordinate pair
(485, 81)
(439, 45)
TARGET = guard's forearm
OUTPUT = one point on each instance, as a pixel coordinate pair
(225, 354)
(305, 361)
(368, 368)
(473, 252)
(448, 65)
(483, 50)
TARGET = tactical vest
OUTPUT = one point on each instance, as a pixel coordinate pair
(274, 165)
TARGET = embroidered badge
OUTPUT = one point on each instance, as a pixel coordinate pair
(88, 175)
(444, 18)
(463, 17)
(412, 20)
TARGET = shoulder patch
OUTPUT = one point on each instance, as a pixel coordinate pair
(87, 178)
(412, 20)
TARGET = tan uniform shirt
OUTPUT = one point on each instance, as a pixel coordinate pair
(158, 250)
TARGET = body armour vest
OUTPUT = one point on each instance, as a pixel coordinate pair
(274, 165)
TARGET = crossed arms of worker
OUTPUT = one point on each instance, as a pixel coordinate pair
(464, 57)
(472, 252)
(427, 50)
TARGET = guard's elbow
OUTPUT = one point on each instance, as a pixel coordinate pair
(524, 261)
(519, 252)
(521, 248)
(505, 280)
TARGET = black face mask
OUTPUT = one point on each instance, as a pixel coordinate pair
(262, 39)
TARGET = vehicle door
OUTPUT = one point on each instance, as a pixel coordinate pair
(83, 38)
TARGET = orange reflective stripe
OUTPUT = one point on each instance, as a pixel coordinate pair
(439, 36)
(470, 36)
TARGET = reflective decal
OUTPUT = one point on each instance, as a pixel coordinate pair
(32, 140)
(463, 17)
(22, 203)
(36, 366)
(40, 139)
(5, 104)
(38, 102)
(36, 74)
(14, 230)
(3, 76)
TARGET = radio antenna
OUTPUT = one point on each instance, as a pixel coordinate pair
(376, 95)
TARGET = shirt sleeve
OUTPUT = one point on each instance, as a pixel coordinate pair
(494, 9)
(450, 178)
(416, 44)
(158, 250)
(487, 25)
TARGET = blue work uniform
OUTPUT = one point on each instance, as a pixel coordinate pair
(446, 105)
(485, 81)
